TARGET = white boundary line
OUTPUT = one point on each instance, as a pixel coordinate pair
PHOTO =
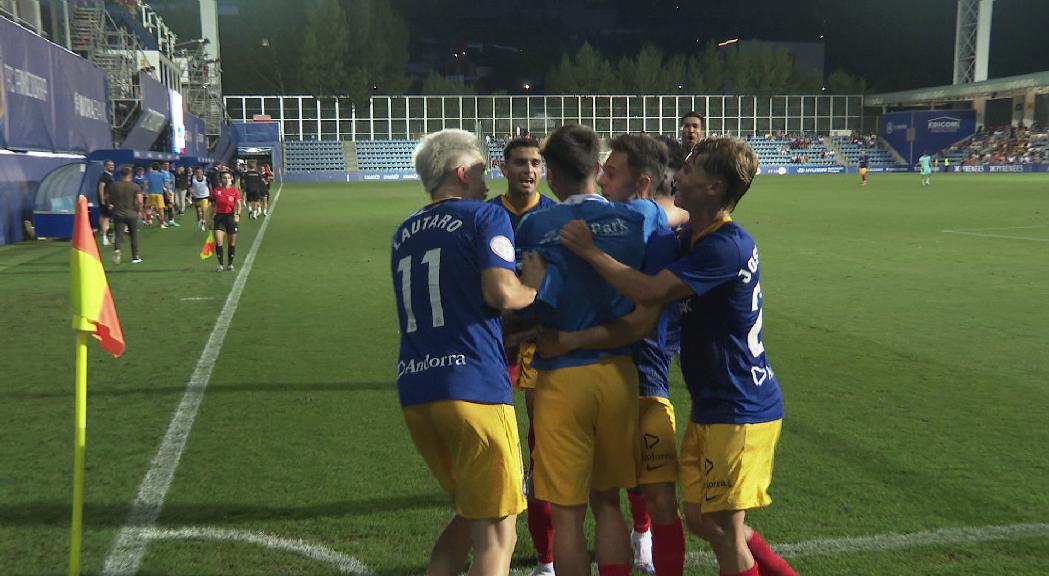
(1007, 237)
(130, 545)
(1001, 228)
(344, 564)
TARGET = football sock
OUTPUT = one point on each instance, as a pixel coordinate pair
(232, 252)
(769, 563)
(218, 253)
(613, 569)
(541, 527)
(639, 511)
(668, 548)
(753, 571)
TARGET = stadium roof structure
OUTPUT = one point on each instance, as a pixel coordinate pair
(1037, 82)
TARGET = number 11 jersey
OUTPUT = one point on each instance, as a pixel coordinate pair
(451, 340)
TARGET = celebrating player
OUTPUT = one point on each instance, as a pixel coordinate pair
(692, 131)
(586, 402)
(522, 168)
(454, 271)
(631, 173)
(727, 454)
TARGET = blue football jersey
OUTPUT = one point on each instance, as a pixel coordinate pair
(451, 340)
(573, 296)
(515, 216)
(156, 181)
(654, 354)
(723, 359)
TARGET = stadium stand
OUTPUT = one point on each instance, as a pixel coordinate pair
(314, 155)
(783, 150)
(1008, 145)
(851, 146)
(385, 155)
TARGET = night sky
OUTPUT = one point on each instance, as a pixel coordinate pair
(893, 44)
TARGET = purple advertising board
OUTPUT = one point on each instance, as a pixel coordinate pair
(80, 99)
(26, 108)
(914, 132)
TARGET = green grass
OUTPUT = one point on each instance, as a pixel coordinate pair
(913, 363)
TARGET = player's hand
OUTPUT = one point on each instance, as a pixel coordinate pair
(576, 237)
(550, 343)
(533, 269)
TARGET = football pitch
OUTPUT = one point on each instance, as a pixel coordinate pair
(252, 426)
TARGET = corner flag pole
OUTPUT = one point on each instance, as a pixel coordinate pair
(79, 444)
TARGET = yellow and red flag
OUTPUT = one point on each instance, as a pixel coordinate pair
(209, 246)
(89, 295)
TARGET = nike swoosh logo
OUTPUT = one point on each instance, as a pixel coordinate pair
(650, 467)
(710, 498)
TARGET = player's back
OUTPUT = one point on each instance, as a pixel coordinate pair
(451, 340)
(574, 296)
(252, 180)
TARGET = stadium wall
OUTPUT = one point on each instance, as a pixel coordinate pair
(20, 176)
(911, 133)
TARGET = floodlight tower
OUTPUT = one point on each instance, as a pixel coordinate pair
(972, 40)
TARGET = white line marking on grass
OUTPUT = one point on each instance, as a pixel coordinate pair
(1004, 228)
(130, 546)
(879, 543)
(196, 298)
(885, 542)
(1005, 236)
(344, 564)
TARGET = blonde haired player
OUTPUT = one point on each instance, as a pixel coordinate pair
(454, 271)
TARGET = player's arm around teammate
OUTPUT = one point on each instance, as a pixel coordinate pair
(726, 457)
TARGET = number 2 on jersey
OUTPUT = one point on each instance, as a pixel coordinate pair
(432, 259)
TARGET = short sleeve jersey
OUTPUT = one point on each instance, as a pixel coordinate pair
(539, 203)
(451, 340)
(723, 358)
(926, 163)
(864, 161)
(573, 296)
(225, 199)
(251, 179)
(105, 179)
(156, 181)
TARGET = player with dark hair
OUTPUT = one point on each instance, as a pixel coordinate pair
(586, 402)
(737, 406)
(454, 272)
(631, 173)
(693, 129)
(226, 206)
(156, 192)
(864, 164)
(522, 167)
(267, 180)
(200, 191)
(252, 185)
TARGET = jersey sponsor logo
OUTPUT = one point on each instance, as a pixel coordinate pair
(502, 247)
(445, 222)
(418, 365)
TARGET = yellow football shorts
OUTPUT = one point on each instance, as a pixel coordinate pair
(585, 430)
(728, 466)
(156, 201)
(658, 441)
(474, 452)
(526, 373)
(863, 171)
(201, 203)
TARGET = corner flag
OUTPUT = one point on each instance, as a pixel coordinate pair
(89, 295)
(95, 314)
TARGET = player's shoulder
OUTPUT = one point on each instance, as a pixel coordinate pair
(545, 202)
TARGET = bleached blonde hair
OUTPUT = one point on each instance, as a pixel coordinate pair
(438, 154)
